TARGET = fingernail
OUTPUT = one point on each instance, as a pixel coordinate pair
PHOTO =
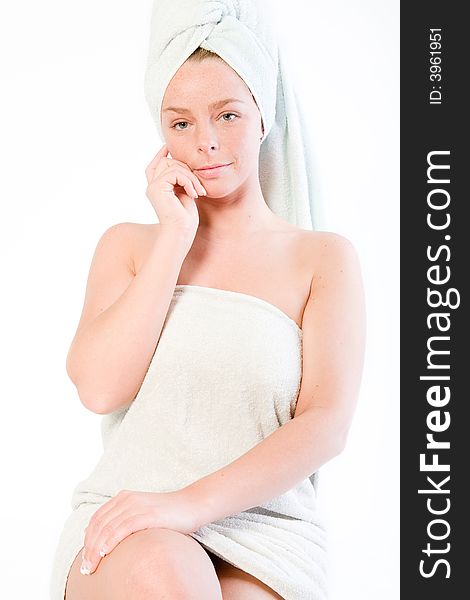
(103, 551)
(85, 568)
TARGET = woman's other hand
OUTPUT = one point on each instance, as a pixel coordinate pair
(131, 511)
(172, 190)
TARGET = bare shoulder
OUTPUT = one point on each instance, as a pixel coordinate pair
(135, 230)
(330, 250)
(131, 239)
(326, 238)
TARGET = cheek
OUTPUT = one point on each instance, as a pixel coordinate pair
(248, 155)
(177, 148)
(246, 149)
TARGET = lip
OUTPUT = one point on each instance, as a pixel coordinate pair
(212, 166)
(215, 171)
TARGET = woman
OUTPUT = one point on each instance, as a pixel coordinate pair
(244, 303)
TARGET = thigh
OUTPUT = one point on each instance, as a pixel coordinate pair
(151, 563)
(236, 583)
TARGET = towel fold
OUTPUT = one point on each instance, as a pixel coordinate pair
(242, 33)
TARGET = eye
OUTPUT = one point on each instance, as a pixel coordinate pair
(175, 126)
(179, 123)
(225, 114)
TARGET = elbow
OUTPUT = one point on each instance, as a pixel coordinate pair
(337, 435)
(339, 447)
(339, 431)
(97, 402)
(88, 400)
(69, 367)
(102, 403)
(340, 441)
(93, 401)
(99, 407)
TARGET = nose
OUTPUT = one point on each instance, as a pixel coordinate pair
(207, 140)
(207, 146)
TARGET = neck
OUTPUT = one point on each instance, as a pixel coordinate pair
(234, 217)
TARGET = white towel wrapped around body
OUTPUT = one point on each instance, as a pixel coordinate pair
(242, 33)
(225, 374)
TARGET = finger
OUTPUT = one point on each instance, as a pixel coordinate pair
(99, 520)
(93, 551)
(176, 175)
(196, 182)
(101, 548)
(117, 530)
(184, 179)
(150, 169)
(160, 154)
(200, 184)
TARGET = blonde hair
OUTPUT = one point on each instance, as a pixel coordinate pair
(201, 53)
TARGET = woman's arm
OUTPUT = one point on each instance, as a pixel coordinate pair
(333, 327)
(122, 316)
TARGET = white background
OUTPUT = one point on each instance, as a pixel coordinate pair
(76, 136)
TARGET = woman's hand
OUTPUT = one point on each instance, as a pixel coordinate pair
(131, 511)
(172, 190)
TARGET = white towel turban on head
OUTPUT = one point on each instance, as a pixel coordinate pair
(241, 33)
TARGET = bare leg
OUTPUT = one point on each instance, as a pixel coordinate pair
(151, 564)
(237, 584)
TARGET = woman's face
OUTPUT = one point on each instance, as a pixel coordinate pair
(201, 129)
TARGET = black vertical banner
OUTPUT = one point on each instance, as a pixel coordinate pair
(435, 268)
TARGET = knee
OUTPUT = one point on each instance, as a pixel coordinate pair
(155, 563)
(156, 579)
(170, 564)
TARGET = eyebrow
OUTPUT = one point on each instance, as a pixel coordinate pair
(217, 104)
